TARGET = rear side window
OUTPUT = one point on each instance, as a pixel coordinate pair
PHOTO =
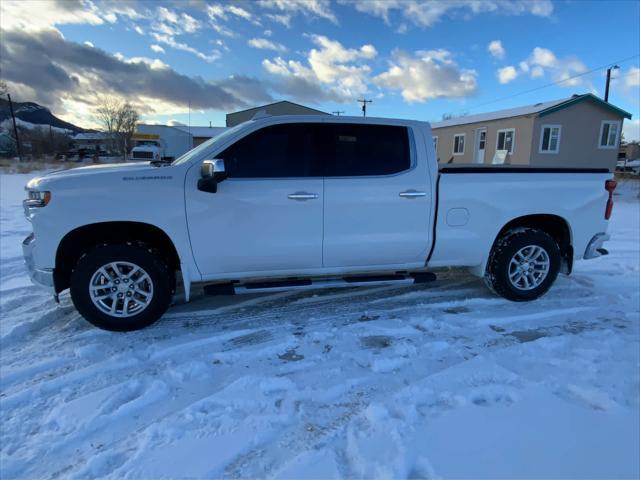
(286, 150)
(359, 150)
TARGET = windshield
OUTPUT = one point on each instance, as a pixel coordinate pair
(207, 145)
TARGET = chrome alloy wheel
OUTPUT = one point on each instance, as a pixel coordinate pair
(121, 289)
(529, 267)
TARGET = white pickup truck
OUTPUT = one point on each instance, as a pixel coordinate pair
(304, 202)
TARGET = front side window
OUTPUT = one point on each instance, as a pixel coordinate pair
(609, 134)
(277, 151)
(458, 144)
(550, 138)
(361, 150)
(506, 140)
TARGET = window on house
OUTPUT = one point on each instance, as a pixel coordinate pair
(458, 144)
(506, 140)
(550, 138)
(435, 143)
(609, 134)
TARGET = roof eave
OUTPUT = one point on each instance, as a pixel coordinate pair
(579, 99)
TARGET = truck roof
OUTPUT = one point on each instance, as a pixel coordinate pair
(336, 119)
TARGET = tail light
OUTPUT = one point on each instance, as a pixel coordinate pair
(609, 186)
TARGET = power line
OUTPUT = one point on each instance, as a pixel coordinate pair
(564, 80)
(338, 112)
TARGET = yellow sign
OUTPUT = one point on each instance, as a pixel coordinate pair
(145, 136)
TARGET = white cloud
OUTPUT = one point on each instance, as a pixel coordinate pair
(278, 66)
(543, 57)
(311, 8)
(154, 63)
(174, 23)
(157, 48)
(282, 19)
(38, 15)
(167, 15)
(339, 69)
(138, 30)
(631, 130)
(173, 43)
(218, 11)
(427, 13)
(170, 24)
(565, 70)
(267, 33)
(496, 49)
(264, 44)
(189, 24)
(240, 12)
(632, 78)
(428, 74)
(537, 72)
(88, 44)
(507, 74)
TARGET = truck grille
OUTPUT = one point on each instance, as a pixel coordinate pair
(142, 154)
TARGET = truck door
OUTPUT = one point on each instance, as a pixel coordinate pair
(267, 215)
(377, 197)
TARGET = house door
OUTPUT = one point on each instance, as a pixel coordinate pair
(481, 142)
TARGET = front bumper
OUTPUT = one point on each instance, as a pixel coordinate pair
(595, 249)
(41, 277)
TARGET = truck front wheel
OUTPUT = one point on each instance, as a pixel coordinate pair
(121, 287)
(523, 264)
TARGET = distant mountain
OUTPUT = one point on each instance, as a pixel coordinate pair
(35, 114)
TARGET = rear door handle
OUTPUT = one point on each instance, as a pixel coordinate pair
(412, 194)
(302, 196)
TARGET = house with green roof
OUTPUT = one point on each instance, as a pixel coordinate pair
(582, 131)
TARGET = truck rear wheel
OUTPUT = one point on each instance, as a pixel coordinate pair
(523, 264)
(122, 287)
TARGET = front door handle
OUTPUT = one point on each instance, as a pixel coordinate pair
(301, 196)
(412, 194)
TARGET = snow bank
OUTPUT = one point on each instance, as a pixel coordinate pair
(434, 381)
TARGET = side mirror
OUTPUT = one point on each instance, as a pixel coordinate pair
(212, 173)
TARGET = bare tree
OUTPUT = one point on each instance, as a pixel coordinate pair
(119, 120)
(43, 141)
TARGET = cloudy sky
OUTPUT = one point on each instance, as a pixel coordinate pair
(415, 59)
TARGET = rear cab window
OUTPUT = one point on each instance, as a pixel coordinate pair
(366, 150)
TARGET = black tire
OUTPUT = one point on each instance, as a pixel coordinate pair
(504, 250)
(154, 265)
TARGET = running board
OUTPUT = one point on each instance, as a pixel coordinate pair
(310, 284)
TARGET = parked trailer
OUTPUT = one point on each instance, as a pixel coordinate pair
(164, 142)
(158, 142)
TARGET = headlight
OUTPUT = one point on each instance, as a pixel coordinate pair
(37, 199)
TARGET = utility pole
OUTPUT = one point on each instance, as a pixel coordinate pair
(338, 112)
(15, 129)
(606, 88)
(364, 102)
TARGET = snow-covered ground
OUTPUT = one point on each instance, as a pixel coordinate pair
(436, 381)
